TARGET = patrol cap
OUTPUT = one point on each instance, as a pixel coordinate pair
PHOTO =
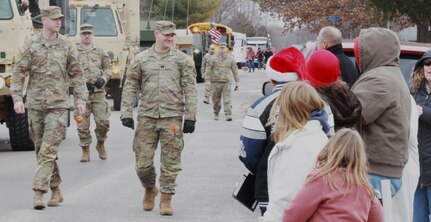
(165, 27)
(222, 45)
(86, 28)
(52, 12)
(212, 47)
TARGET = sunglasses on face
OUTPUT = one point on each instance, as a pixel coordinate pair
(427, 63)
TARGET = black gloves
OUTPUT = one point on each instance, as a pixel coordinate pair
(189, 126)
(99, 83)
(128, 122)
(90, 87)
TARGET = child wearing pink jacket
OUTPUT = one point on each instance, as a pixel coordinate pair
(337, 189)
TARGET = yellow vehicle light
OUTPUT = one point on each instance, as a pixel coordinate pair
(195, 29)
(2, 83)
(8, 81)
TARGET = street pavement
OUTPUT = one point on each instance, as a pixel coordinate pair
(110, 190)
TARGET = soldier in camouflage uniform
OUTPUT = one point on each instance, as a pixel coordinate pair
(97, 71)
(50, 61)
(167, 80)
(219, 71)
(205, 63)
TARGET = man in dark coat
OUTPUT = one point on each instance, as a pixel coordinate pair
(330, 38)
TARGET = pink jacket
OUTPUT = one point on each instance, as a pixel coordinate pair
(316, 201)
(250, 54)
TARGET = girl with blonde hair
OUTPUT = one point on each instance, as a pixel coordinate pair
(299, 132)
(338, 188)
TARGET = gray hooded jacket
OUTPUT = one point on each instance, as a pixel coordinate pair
(385, 100)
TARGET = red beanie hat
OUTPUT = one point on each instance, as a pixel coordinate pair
(287, 65)
(356, 52)
(323, 68)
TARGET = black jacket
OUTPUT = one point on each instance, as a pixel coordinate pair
(349, 73)
(423, 99)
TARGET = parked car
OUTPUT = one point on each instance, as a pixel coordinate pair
(410, 53)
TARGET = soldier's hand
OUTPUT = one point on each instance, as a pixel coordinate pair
(19, 107)
(236, 87)
(90, 87)
(189, 126)
(128, 122)
(100, 82)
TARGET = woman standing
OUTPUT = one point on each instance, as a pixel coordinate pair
(421, 90)
(299, 136)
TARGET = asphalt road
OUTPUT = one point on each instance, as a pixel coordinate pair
(110, 190)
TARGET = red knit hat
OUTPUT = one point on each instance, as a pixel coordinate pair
(287, 65)
(323, 68)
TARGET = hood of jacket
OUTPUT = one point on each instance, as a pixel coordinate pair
(378, 47)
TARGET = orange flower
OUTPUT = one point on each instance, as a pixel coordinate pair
(174, 128)
(78, 119)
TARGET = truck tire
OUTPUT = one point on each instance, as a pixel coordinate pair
(18, 132)
(239, 64)
(116, 94)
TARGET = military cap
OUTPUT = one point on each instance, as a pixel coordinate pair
(86, 28)
(212, 46)
(222, 44)
(165, 27)
(52, 12)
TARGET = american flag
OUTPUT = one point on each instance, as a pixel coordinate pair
(215, 34)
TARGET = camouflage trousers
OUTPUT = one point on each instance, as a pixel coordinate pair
(219, 90)
(47, 130)
(207, 90)
(147, 135)
(99, 107)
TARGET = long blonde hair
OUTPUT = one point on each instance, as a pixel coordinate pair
(418, 77)
(345, 154)
(292, 108)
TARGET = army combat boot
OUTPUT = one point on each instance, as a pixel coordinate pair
(228, 117)
(38, 203)
(100, 147)
(56, 198)
(215, 116)
(165, 204)
(149, 196)
(85, 154)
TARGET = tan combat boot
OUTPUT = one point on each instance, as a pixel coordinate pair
(165, 204)
(149, 196)
(100, 147)
(38, 203)
(85, 154)
(216, 116)
(56, 198)
(228, 117)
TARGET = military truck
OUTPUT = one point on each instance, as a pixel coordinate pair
(116, 30)
(15, 27)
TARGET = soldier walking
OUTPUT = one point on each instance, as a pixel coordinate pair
(205, 63)
(50, 61)
(219, 71)
(97, 71)
(167, 80)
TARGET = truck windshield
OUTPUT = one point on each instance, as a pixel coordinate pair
(102, 19)
(5, 10)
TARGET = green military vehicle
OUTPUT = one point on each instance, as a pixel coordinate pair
(15, 27)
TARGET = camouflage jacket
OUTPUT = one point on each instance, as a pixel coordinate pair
(221, 68)
(167, 85)
(205, 63)
(52, 66)
(95, 63)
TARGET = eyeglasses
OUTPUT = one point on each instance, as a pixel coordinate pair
(427, 63)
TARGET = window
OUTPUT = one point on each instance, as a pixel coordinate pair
(72, 22)
(5, 10)
(102, 19)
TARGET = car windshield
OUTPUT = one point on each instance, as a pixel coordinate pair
(5, 10)
(407, 62)
(102, 19)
